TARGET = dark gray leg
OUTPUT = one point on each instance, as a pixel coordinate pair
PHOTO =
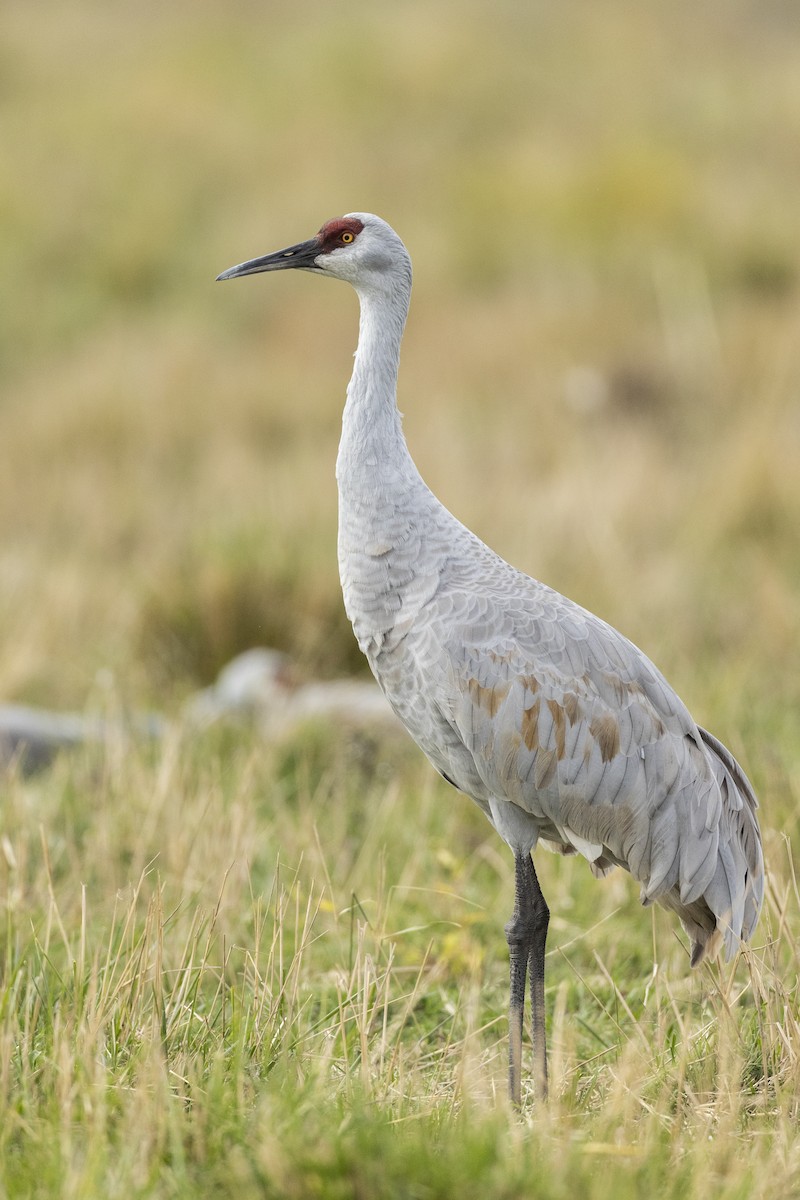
(526, 934)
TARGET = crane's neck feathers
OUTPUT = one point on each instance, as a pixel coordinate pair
(372, 435)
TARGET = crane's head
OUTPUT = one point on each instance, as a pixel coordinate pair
(358, 247)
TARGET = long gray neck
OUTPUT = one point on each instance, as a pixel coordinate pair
(373, 454)
(384, 507)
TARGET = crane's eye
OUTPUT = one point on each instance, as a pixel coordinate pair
(347, 238)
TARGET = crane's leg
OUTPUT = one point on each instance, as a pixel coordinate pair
(526, 934)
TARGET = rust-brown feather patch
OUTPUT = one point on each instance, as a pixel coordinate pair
(605, 731)
(530, 725)
(559, 726)
(488, 698)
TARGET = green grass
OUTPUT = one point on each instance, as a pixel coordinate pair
(238, 969)
(186, 1009)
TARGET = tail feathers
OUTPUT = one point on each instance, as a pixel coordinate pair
(742, 783)
(721, 877)
(727, 912)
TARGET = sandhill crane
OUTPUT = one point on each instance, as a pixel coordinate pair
(556, 725)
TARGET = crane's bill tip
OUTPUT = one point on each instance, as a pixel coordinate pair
(231, 273)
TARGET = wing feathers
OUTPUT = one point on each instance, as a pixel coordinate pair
(583, 734)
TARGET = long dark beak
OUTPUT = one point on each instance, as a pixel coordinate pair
(301, 255)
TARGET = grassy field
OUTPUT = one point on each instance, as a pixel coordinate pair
(243, 970)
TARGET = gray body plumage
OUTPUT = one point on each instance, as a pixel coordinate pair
(553, 722)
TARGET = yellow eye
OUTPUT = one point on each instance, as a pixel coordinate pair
(347, 238)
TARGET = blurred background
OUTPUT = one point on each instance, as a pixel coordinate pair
(600, 373)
